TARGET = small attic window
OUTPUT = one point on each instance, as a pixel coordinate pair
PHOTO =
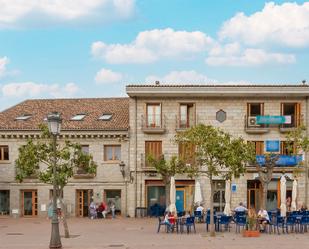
(78, 117)
(23, 117)
(106, 117)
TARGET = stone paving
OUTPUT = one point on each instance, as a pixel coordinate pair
(131, 233)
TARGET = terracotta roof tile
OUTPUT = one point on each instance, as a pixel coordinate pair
(92, 107)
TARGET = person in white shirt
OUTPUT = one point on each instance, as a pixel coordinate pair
(241, 208)
(200, 208)
(263, 219)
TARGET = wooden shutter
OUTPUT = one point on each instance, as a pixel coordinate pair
(262, 109)
(153, 148)
(297, 115)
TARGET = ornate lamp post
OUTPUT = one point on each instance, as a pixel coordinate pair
(122, 168)
(54, 126)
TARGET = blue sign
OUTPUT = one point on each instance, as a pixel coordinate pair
(234, 188)
(283, 160)
(272, 119)
(272, 146)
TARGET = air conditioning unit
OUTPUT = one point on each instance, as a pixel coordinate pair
(252, 122)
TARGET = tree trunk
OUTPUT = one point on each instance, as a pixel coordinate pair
(64, 213)
(211, 204)
(264, 195)
(167, 193)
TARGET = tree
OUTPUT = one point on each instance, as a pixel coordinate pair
(36, 159)
(265, 174)
(167, 169)
(217, 153)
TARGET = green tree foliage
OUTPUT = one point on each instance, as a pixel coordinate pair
(167, 169)
(36, 159)
(217, 153)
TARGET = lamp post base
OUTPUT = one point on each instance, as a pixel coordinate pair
(55, 241)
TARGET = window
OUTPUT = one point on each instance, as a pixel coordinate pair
(259, 147)
(255, 109)
(153, 115)
(23, 117)
(153, 148)
(4, 202)
(291, 110)
(186, 152)
(186, 112)
(112, 152)
(106, 117)
(287, 148)
(85, 149)
(4, 153)
(78, 117)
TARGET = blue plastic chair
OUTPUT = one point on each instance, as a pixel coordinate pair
(225, 220)
(304, 223)
(208, 221)
(279, 222)
(190, 222)
(162, 223)
(290, 222)
(198, 215)
(240, 221)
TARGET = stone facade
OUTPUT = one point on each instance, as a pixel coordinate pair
(207, 102)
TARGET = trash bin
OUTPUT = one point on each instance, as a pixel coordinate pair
(140, 212)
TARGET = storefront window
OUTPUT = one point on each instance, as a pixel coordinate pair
(4, 202)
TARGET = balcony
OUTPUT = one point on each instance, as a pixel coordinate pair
(182, 124)
(283, 160)
(252, 127)
(154, 124)
(294, 122)
(145, 166)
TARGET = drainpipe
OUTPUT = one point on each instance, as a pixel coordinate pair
(135, 133)
(306, 153)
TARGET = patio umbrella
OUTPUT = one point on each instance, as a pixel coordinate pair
(283, 196)
(227, 196)
(197, 193)
(172, 206)
(294, 195)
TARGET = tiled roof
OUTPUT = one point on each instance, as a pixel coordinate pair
(92, 107)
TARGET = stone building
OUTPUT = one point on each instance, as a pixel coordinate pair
(261, 114)
(100, 125)
(123, 131)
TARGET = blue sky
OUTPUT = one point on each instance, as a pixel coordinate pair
(93, 48)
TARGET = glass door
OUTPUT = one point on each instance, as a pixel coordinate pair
(29, 203)
(83, 197)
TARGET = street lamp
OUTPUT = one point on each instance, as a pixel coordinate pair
(54, 127)
(122, 168)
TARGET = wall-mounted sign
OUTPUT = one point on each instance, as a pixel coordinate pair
(272, 146)
(234, 188)
(273, 119)
(283, 160)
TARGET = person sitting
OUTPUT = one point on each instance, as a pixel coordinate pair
(200, 208)
(167, 220)
(241, 208)
(303, 207)
(263, 219)
(92, 210)
(102, 209)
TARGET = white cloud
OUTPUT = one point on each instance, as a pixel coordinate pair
(181, 77)
(152, 45)
(248, 57)
(106, 76)
(14, 12)
(286, 24)
(3, 62)
(31, 89)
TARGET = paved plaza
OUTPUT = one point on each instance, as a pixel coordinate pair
(132, 233)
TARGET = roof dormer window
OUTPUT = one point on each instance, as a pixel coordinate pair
(106, 117)
(23, 117)
(78, 117)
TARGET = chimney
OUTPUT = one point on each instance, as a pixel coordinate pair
(157, 82)
(304, 82)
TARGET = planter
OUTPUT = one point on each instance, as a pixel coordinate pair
(251, 233)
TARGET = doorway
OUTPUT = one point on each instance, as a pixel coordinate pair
(4, 202)
(219, 195)
(83, 197)
(180, 199)
(29, 203)
(253, 195)
(115, 197)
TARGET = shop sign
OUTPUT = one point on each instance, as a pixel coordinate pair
(273, 119)
(272, 146)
